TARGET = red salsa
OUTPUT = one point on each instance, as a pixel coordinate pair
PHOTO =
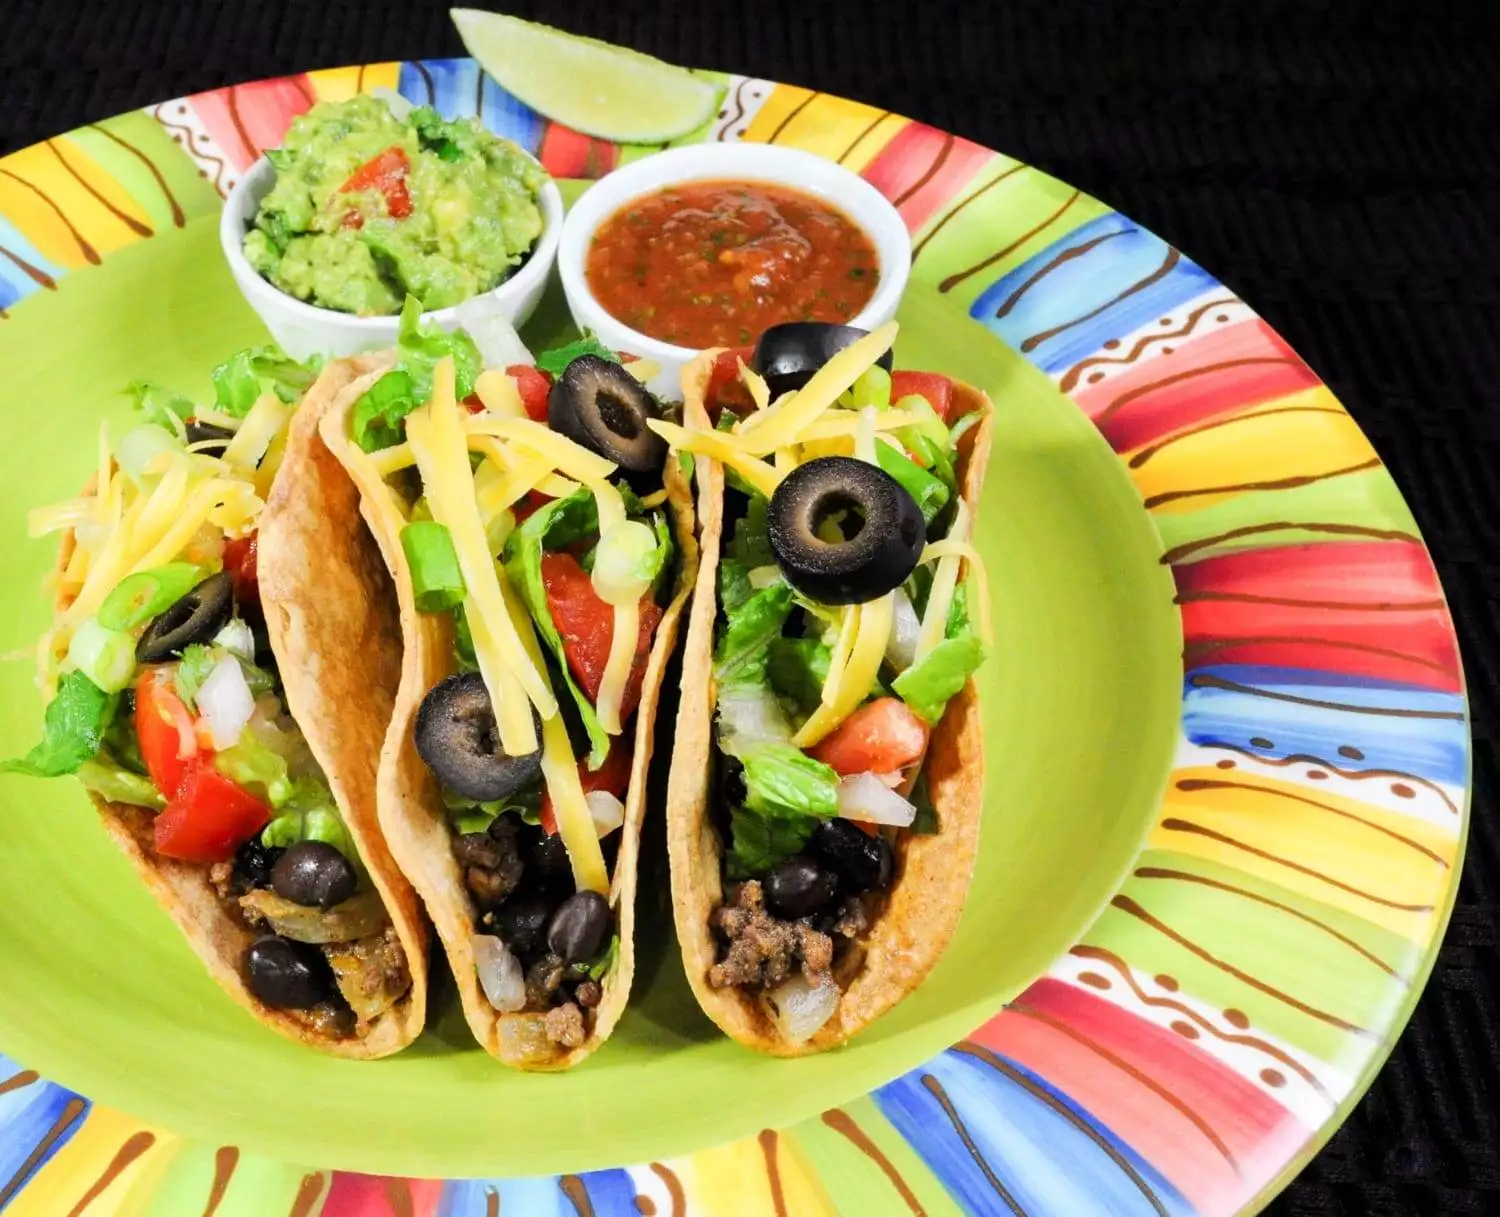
(714, 263)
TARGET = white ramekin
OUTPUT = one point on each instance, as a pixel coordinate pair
(852, 195)
(304, 330)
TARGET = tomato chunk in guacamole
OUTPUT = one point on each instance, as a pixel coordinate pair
(368, 208)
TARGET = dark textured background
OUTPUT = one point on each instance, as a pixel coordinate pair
(1337, 164)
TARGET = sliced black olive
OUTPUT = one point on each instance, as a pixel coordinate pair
(787, 355)
(314, 874)
(286, 974)
(201, 432)
(600, 405)
(197, 617)
(458, 738)
(881, 524)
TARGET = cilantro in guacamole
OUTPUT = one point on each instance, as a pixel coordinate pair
(369, 208)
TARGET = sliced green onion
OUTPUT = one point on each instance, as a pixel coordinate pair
(873, 388)
(139, 597)
(142, 445)
(932, 425)
(623, 563)
(106, 657)
(435, 574)
(969, 420)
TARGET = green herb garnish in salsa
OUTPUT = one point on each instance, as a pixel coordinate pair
(369, 208)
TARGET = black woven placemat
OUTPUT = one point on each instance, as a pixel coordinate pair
(1336, 163)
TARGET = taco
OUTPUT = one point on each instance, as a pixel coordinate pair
(540, 572)
(234, 770)
(825, 792)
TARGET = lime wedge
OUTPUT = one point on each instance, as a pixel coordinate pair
(591, 86)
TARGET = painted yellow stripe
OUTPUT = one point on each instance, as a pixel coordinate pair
(750, 1177)
(848, 132)
(340, 84)
(105, 1140)
(67, 205)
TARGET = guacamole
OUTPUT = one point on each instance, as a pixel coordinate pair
(368, 208)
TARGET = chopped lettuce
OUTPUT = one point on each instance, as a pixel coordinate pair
(471, 816)
(925, 823)
(73, 728)
(160, 406)
(927, 685)
(309, 814)
(380, 412)
(930, 493)
(798, 669)
(751, 543)
(556, 361)
(241, 379)
(119, 785)
(734, 584)
(786, 793)
(748, 633)
(257, 768)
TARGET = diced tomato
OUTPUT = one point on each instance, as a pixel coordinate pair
(587, 626)
(209, 817)
(535, 387)
(473, 405)
(164, 728)
(241, 560)
(613, 776)
(385, 172)
(937, 389)
(534, 501)
(725, 389)
(882, 736)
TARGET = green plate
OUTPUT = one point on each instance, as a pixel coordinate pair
(1225, 799)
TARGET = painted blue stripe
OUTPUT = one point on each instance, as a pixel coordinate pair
(1047, 1164)
(27, 1115)
(16, 284)
(1089, 287)
(457, 88)
(1433, 748)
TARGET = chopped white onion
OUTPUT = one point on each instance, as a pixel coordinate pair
(499, 344)
(607, 810)
(867, 798)
(901, 647)
(801, 1008)
(140, 446)
(750, 715)
(399, 106)
(237, 637)
(225, 703)
(500, 973)
(623, 563)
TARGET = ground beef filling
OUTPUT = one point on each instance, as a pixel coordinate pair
(762, 950)
(516, 876)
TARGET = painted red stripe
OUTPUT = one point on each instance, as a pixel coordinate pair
(1384, 572)
(924, 168)
(569, 153)
(245, 120)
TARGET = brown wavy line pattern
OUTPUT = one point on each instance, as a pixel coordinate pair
(398, 1196)
(1072, 375)
(71, 1113)
(980, 1052)
(1126, 905)
(1136, 1075)
(491, 1202)
(1207, 680)
(796, 110)
(426, 80)
(135, 1145)
(1145, 454)
(232, 103)
(1140, 391)
(1207, 646)
(844, 1124)
(89, 253)
(958, 277)
(130, 222)
(309, 1193)
(1161, 272)
(183, 135)
(958, 207)
(858, 139)
(1100, 955)
(226, 1158)
(1354, 775)
(1337, 606)
(768, 1146)
(578, 1195)
(930, 172)
(739, 102)
(1167, 873)
(179, 218)
(19, 1081)
(935, 1088)
(1173, 824)
(35, 273)
(1178, 552)
(674, 1188)
(1288, 483)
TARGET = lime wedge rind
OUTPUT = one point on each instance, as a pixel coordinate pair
(595, 87)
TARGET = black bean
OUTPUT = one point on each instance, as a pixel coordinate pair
(578, 927)
(862, 862)
(288, 975)
(253, 863)
(522, 923)
(548, 871)
(799, 887)
(314, 874)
